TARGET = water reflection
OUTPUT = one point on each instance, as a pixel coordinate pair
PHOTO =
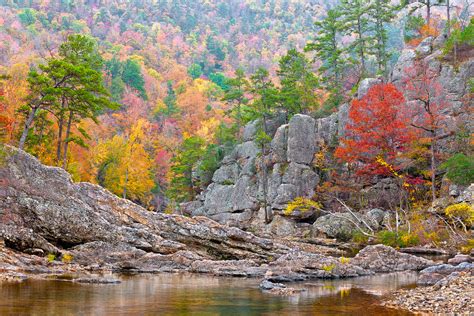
(184, 294)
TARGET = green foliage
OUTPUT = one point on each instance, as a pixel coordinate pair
(195, 71)
(413, 25)
(209, 163)
(235, 95)
(27, 16)
(460, 37)
(220, 79)
(359, 237)
(301, 204)
(183, 186)
(460, 169)
(170, 101)
(400, 240)
(298, 83)
(328, 49)
(133, 77)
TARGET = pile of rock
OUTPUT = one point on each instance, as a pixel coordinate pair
(453, 295)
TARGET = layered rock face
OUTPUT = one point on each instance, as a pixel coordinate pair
(42, 212)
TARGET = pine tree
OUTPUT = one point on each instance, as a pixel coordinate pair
(356, 22)
(298, 83)
(235, 95)
(265, 96)
(381, 12)
(328, 49)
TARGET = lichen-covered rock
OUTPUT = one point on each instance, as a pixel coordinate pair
(365, 85)
(301, 139)
(380, 258)
(342, 225)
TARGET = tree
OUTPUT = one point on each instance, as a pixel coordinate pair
(356, 21)
(429, 4)
(132, 76)
(70, 87)
(125, 168)
(328, 50)
(195, 71)
(381, 12)
(377, 132)
(235, 95)
(170, 101)
(182, 186)
(428, 109)
(265, 96)
(298, 83)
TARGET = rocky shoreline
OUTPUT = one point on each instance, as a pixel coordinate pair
(452, 295)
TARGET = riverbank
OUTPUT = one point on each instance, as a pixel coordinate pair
(452, 295)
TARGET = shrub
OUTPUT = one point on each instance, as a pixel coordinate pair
(467, 248)
(329, 268)
(301, 204)
(67, 258)
(359, 237)
(344, 260)
(51, 257)
(462, 211)
(400, 240)
(460, 169)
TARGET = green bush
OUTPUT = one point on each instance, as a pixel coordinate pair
(400, 240)
(460, 169)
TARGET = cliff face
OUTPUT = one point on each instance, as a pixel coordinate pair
(235, 196)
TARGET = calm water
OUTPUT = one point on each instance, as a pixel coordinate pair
(183, 294)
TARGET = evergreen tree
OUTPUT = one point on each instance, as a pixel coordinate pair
(235, 95)
(265, 96)
(132, 76)
(298, 83)
(381, 12)
(328, 49)
(356, 22)
(170, 101)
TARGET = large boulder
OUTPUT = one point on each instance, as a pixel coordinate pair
(365, 85)
(380, 258)
(343, 225)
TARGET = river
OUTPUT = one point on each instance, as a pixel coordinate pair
(190, 294)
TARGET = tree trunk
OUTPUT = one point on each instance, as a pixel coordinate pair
(60, 138)
(26, 129)
(361, 47)
(265, 176)
(66, 140)
(428, 12)
(448, 17)
(60, 133)
(124, 193)
(433, 167)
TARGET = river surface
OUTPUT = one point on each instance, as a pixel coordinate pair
(189, 294)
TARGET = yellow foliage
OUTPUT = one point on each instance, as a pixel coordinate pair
(51, 257)
(126, 166)
(344, 260)
(67, 258)
(301, 204)
(329, 268)
(462, 211)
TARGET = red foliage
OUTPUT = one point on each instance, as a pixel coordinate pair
(377, 129)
